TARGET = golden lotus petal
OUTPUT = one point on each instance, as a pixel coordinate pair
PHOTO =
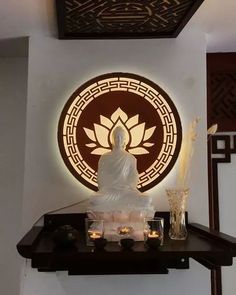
(102, 135)
(138, 151)
(119, 114)
(148, 144)
(91, 145)
(106, 122)
(137, 133)
(132, 121)
(100, 151)
(90, 134)
(149, 132)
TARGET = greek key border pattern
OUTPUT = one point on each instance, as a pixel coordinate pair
(120, 84)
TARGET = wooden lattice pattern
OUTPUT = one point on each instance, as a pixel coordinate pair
(123, 18)
(223, 96)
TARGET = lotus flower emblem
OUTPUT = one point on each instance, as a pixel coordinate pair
(136, 135)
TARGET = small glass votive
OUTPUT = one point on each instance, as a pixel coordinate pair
(154, 231)
(124, 233)
(94, 229)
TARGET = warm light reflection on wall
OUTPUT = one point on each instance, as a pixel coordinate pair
(141, 139)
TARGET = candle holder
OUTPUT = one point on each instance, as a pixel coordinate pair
(94, 230)
(127, 243)
(100, 244)
(125, 231)
(177, 201)
(154, 232)
(153, 243)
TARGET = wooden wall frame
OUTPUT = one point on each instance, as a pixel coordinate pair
(221, 90)
(215, 148)
(221, 109)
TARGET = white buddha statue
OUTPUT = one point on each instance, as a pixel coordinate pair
(118, 200)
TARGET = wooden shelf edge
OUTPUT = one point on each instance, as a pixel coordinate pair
(26, 245)
(38, 245)
(218, 237)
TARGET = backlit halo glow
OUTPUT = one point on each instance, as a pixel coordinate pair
(147, 114)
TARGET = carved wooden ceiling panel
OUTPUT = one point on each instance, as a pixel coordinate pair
(99, 19)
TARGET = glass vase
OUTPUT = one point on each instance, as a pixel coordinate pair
(177, 201)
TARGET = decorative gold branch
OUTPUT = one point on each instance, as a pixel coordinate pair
(186, 153)
(212, 130)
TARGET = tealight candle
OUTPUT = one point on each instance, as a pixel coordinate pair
(153, 234)
(94, 230)
(94, 235)
(124, 230)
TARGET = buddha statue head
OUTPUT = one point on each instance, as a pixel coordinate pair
(119, 138)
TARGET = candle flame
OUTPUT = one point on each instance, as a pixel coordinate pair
(153, 234)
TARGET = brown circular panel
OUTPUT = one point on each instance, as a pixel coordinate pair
(143, 109)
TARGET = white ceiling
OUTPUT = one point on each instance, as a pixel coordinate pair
(32, 17)
(218, 20)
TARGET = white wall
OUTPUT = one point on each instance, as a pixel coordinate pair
(56, 69)
(13, 93)
(180, 282)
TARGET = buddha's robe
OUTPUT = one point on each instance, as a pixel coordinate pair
(117, 183)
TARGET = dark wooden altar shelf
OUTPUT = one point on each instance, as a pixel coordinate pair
(211, 249)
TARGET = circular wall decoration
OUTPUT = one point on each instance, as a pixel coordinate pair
(148, 115)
